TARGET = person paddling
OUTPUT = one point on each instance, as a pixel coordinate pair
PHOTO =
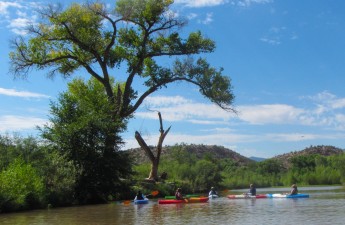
(178, 194)
(252, 190)
(212, 192)
(294, 190)
(139, 196)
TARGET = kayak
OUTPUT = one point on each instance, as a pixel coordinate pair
(186, 200)
(287, 196)
(247, 196)
(186, 196)
(143, 201)
(213, 196)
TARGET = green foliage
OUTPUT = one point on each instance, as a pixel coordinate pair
(84, 131)
(59, 175)
(270, 167)
(20, 187)
(89, 36)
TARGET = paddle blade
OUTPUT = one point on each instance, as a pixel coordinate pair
(154, 193)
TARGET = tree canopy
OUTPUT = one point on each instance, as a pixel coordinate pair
(135, 35)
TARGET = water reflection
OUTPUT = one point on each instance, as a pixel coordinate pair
(325, 206)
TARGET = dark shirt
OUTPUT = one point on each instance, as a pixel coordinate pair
(252, 191)
(140, 197)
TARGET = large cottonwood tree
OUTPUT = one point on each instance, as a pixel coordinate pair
(133, 37)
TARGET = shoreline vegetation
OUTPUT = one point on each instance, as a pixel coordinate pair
(34, 175)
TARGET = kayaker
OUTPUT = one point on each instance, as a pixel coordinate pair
(252, 190)
(139, 196)
(294, 190)
(178, 194)
(212, 192)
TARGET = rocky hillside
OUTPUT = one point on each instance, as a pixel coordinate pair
(324, 150)
(222, 153)
(200, 151)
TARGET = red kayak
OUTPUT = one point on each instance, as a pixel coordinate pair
(247, 196)
(186, 200)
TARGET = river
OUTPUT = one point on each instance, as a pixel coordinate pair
(326, 205)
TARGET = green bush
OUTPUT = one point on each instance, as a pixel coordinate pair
(20, 187)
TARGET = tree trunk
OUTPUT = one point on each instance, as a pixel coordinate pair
(154, 159)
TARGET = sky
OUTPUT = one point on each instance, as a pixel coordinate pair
(285, 59)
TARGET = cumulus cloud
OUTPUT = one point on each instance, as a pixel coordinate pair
(276, 35)
(5, 6)
(201, 3)
(226, 129)
(18, 14)
(324, 109)
(270, 114)
(208, 19)
(177, 108)
(247, 3)
(22, 94)
(19, 123)
(209, 3)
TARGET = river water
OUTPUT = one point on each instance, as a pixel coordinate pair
(326, 205)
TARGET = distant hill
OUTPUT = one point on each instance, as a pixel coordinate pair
(257, 159)
(220, 152)
(217, 152)
(324, 150)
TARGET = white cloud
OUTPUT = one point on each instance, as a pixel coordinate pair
(208, 3)
(222, 128)
(208, 19)
(17, 15)
(191, 16)
(18, 25)
(247, 3)
(23, 94)
(272, 41)
(276, 35)
(4, 7)
(201, 3)
(181, 109)
(19, 123)
(270, 114)
(165, 101)
(178, 108)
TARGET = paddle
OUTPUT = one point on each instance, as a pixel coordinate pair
(153, 193)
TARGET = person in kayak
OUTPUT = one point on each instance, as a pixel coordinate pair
(252, 190)
(294, 190)
(178, 194)
(212, 192)
(139, 196)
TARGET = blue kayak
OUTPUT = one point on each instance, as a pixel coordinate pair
(143, 201)
(287, 196)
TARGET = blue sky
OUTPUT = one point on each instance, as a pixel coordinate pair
(286, 60)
